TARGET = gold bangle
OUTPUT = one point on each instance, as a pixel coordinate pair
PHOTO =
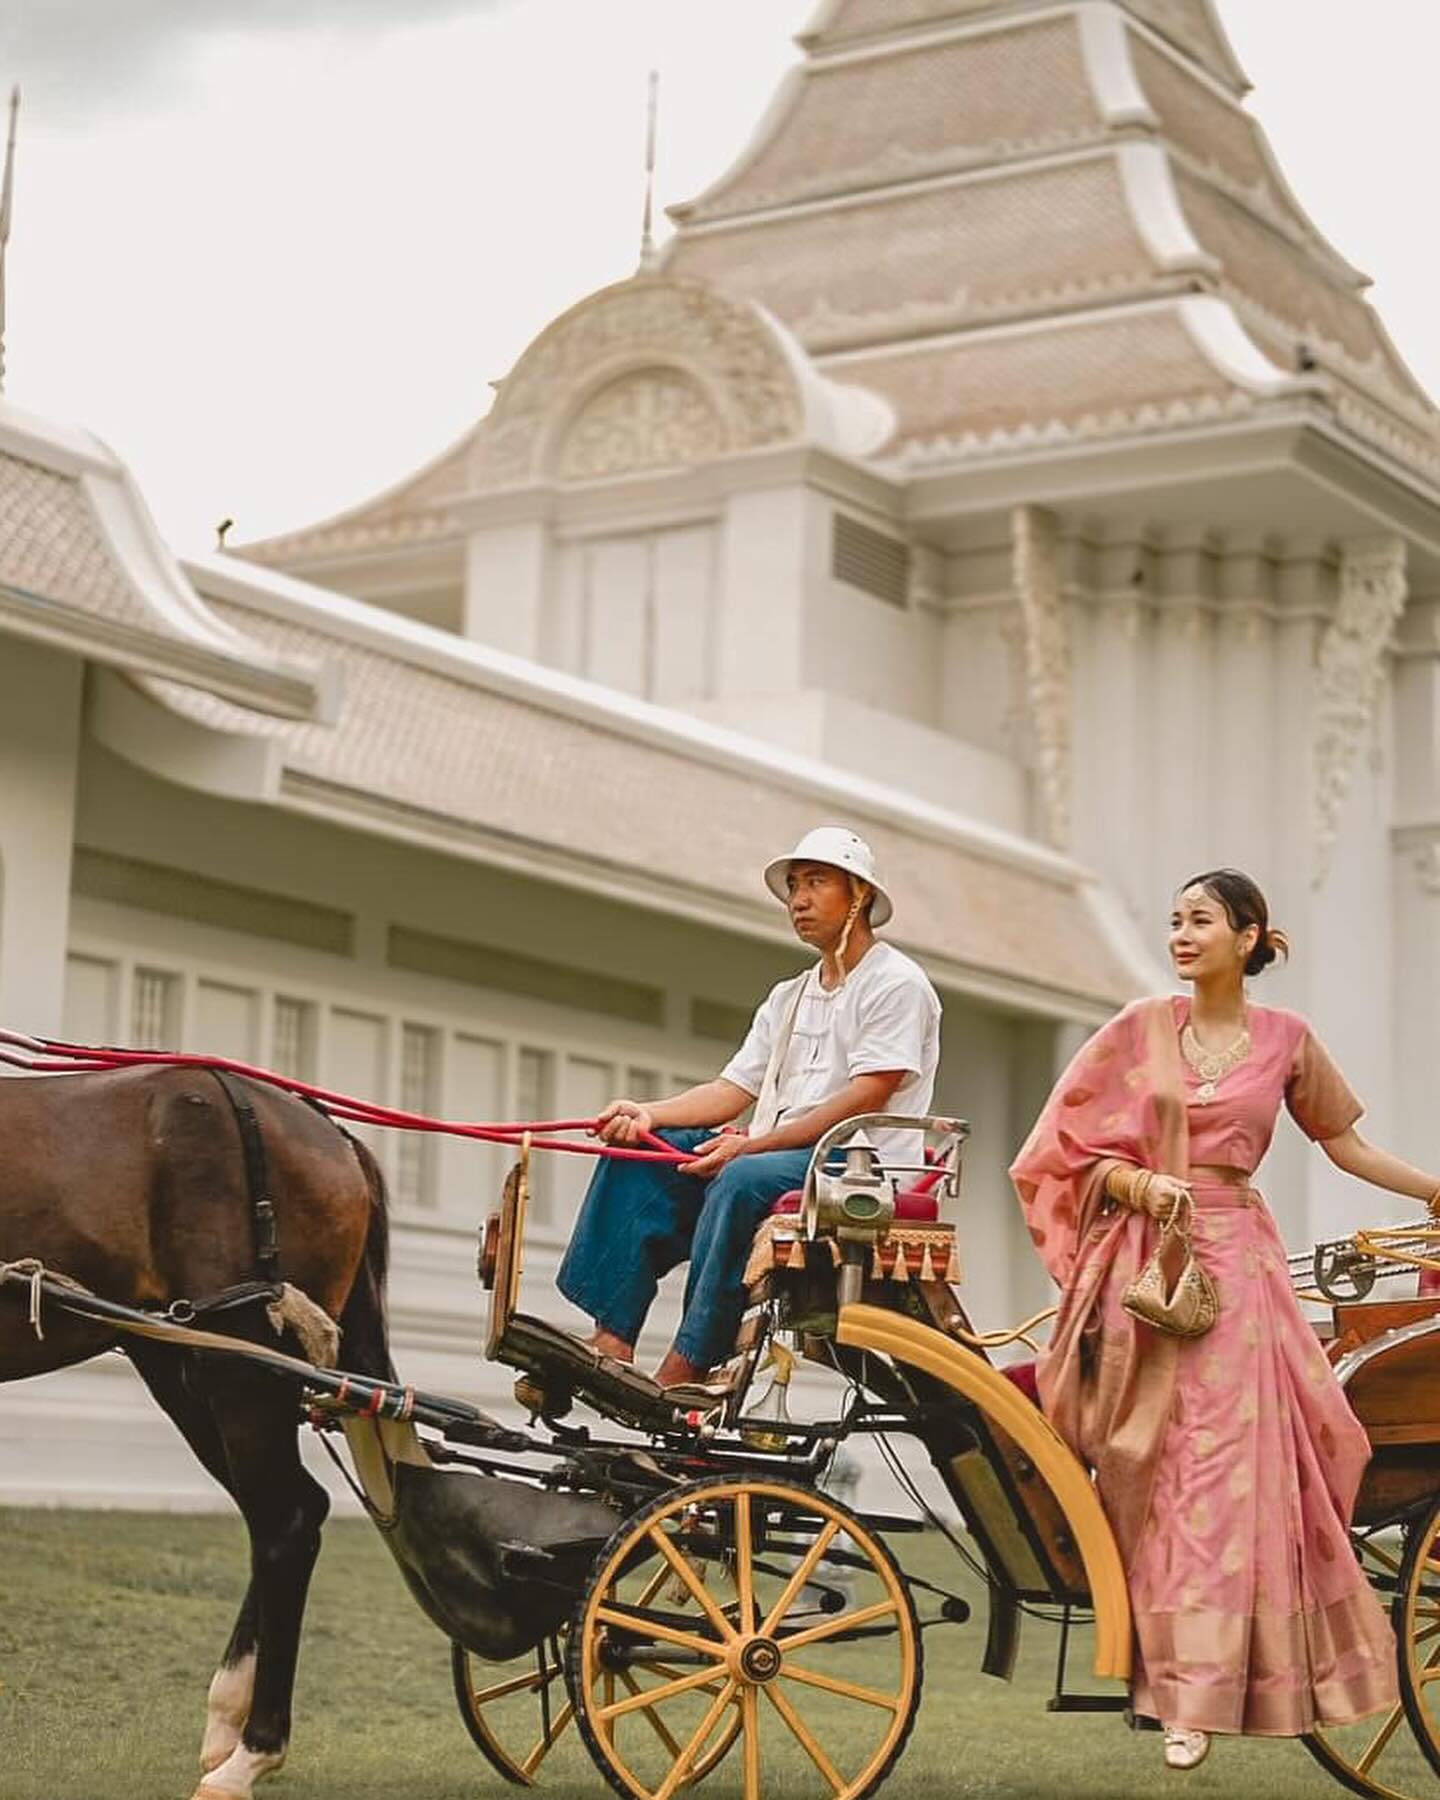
(1144, 1181)
(1120, 1183)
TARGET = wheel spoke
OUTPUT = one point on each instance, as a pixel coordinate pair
(744, 1572)
(518, 1684)
(750, 1723)
(698, 1590)
(661, 1729)
(533, 1761)
(636, 1622)
(806, 1738)
(814, 1634)
(683, 1763)
(641, 1697)
(804, 1570)
(672, 1674)
(1388, 1562)
(851, 1690)
(1382, 1737)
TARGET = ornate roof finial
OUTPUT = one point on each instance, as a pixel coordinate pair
(6, 193)
(649, 257)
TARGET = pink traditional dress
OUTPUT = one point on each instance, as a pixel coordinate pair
(1228, 1464)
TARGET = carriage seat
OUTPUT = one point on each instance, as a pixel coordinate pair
(1023, 1376)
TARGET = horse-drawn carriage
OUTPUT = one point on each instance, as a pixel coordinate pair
(670, 1574)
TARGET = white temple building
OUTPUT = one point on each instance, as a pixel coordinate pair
(995, 459)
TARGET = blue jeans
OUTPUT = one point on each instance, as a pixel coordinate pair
(639, 1220)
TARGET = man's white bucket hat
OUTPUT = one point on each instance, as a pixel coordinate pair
(842, 849)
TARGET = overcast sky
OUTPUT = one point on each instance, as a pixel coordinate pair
(275, 250)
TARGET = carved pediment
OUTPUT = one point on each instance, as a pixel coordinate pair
(644, 365)
(654, 418)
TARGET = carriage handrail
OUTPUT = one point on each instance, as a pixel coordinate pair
(956, 1130)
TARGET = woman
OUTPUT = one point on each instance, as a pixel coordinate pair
(1228, 1463)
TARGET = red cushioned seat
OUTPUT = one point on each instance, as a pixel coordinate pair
(916, 1206)
(1023, 1375)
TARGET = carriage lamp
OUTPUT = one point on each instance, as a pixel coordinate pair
(855, 1201)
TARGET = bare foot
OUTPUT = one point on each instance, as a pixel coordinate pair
(608, 1343)
(678, 1371)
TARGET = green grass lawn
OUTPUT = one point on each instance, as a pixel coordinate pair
(111, 1623)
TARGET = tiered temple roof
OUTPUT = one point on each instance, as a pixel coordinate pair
(1009, 204)
(1000, 224)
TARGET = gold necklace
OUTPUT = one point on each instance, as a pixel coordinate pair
(1212, 1066)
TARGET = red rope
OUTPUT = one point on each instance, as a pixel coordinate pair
(53, 1056)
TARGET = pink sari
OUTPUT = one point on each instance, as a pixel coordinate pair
(1228, 1464)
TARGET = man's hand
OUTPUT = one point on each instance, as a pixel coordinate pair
(624, 1122)
(712, 1156)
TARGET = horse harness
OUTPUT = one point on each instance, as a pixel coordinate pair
(257, 1183)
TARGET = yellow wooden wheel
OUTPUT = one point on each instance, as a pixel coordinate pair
(1385, 1757)
(778, 1613)
(1417, 1626)
(516, 1715)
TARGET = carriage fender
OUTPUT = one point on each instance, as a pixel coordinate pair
(922, 1347)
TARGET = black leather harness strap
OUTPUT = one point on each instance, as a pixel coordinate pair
(252, 1150)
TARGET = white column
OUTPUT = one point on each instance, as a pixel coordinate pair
(768, 563)
(506, 569)
(40, 693)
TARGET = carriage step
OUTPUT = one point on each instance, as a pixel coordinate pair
(1087, 1703)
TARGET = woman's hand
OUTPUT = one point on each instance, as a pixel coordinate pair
(624, 1122)
(1163, 1194)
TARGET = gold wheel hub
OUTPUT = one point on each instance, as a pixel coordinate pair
(754, 1660)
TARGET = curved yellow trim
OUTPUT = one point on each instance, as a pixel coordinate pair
(907, 1341)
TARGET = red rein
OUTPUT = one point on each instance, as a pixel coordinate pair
(51, 1056)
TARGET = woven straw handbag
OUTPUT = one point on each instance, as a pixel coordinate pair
(1191, 1306)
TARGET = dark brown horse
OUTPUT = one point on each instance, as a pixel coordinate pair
(134, 1183)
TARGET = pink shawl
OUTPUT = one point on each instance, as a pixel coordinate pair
(1105, 1380)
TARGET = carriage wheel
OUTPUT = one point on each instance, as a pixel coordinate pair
(516, 1721)
(815, 1661)
(1417, 1626)
(1380, 1756)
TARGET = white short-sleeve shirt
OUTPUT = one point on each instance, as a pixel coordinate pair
(886, 1015)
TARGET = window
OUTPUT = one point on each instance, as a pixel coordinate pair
(292, 1038)
(155, 1010)
(534, 1099)
(419, 1086)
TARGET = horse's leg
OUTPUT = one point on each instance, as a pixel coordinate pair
(170, 1376)
(257, 1419)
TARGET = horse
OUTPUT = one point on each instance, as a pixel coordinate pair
(140, 1184)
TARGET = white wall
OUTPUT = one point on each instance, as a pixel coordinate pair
(40, 694)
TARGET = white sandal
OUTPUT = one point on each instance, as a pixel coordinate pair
(1185, 1749)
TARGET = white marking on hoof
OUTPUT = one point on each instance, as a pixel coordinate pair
(226, 1710)
(236, 1777)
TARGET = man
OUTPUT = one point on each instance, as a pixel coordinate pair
(858, 1032)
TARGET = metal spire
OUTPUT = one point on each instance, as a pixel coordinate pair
(648, 254)
(7, 189)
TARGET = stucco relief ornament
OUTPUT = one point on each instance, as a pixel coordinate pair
(724, 346)
(1349, 678)
(654, 419)
(1036, 572)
